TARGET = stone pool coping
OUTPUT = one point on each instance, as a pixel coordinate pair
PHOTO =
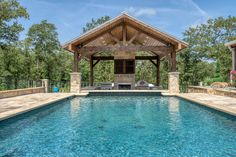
(212, 90)
(10, 107)
(219, 103)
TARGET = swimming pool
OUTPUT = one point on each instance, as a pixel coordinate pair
(120, 126)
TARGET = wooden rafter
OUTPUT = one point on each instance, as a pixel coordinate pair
(153, 62)
(100, 34)
(114, 38)
(124, 33)
(149, 34)
(133, 38)
(136, 57)
(96, 62)
(129, 48)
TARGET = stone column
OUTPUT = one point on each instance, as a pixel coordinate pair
(173, 82)
(75, 82)
(45, 84)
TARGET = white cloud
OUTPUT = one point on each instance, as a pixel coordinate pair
(202, 15)
(169, 10)
(142, 11)
(198, 9)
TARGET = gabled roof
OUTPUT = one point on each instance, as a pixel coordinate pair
(150, 35)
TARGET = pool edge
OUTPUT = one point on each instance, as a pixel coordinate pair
(217, 108)
(22, 111)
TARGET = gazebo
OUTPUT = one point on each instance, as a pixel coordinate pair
(122, 37)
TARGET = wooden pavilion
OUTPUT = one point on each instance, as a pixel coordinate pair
(122, 37)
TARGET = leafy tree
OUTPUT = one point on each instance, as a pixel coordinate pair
(49, 60)
(43, 39)
(11, 66)
(10, 55)
(10, 12)
(94, 23)
(206, 50)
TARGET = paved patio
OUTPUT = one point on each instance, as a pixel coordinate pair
(10, 107)
(221, 103)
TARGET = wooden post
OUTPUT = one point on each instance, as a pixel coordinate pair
(234, 58)
(173, 61)
(91, 72)
(75, 68)
(158, 72)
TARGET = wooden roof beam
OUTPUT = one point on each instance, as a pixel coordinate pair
(100, 34)
(178, 47)
(149, 34)
(114, 38)
(136, 57)
(124, 33)
(129, 48)
(133, 37)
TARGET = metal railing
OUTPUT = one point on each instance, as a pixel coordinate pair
(10, 83)
(64, 86)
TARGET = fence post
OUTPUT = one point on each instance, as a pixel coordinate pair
(45, 84)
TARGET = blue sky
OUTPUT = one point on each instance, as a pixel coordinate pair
(171, 16)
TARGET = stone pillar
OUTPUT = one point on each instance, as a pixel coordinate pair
(75, 82)
(173, 82)
(45, 84)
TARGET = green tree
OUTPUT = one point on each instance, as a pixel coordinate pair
(10, 55)
(10, 12)
(206, 49)
(43, 39)
(94, 23)
(11, 65)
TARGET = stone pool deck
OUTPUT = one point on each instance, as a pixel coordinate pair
(13, 106)
(10, 107)
(220, 103)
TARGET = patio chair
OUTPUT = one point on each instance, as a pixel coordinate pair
(142, 85)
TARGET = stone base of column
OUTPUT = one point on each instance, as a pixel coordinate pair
(173, 82)
(75, 82)
(45, 84)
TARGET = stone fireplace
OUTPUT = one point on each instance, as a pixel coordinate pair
(124, 86)
(124, 64)
(124, 79)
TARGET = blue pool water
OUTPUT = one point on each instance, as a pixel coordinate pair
(120, 126)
